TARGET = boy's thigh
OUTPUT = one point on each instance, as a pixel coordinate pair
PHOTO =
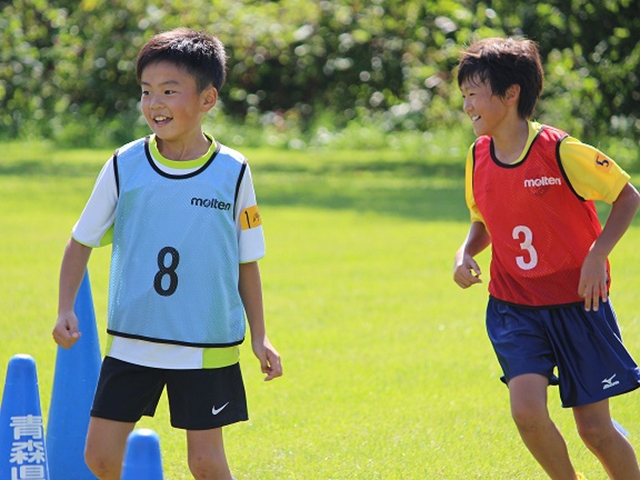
(520, 341)
(106, 440)
(207, 398)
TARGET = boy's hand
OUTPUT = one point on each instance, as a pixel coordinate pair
(466, 271)
(593, 281)
(269, 358)
(66, 333)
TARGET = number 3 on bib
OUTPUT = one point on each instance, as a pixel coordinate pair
(525, 236)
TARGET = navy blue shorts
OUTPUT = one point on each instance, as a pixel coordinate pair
(199, 399)
(586, 347)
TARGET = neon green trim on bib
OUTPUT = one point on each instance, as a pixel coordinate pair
(181, 164)
(107, 348)
(220, 357)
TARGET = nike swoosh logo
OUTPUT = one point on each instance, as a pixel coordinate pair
(216, 411)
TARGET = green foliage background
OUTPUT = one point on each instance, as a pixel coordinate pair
(311, 67)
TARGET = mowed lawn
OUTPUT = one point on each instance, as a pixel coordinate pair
(388, 371)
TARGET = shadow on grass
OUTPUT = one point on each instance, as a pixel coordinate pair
(52, 169)
(408, 188)
(366, 182)
(409, 168)
(442, 203)
(44, 159)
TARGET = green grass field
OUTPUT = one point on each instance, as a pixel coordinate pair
(388, 371)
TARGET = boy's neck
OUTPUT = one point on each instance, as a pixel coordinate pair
(510, 142)
(182, 150)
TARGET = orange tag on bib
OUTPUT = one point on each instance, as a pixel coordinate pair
(250, 218)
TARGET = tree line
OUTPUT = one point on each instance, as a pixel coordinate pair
(68, 66)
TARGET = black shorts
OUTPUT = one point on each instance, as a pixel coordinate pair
(199, 399)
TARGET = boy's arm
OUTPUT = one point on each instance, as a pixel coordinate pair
(74, 264)
(250, 288)
(593, 276)
(466, 271)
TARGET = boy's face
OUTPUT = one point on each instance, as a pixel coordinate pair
(171, 103)
(487, 111)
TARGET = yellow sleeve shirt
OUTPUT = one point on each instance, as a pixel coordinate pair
(592, 174)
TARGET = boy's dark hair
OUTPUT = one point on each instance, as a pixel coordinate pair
(201, 54)
(502, 62)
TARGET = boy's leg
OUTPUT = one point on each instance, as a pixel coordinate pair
(207, 460)
(601, 437)
(104, 451)
(528, 395)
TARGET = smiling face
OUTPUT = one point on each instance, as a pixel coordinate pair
(172, 105)
(488, 112)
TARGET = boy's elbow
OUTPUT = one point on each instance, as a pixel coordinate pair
(629, 198)
(632, 197)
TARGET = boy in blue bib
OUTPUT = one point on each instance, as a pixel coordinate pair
(180, 211)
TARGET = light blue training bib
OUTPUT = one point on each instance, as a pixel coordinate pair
(175, 261)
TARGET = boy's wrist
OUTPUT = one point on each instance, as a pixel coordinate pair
(62, 311)
(598, 253)
(258, 336)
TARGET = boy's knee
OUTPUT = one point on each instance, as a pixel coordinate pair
(209, 467)
(102, 466)
(528, 417)
(594, 434)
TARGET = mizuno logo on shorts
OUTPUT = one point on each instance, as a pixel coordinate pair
(609, 382)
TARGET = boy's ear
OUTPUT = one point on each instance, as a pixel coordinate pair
(512, 95)
(209, 98)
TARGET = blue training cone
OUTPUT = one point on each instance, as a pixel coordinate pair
(74, 384)
(142, 459)
(22, 440)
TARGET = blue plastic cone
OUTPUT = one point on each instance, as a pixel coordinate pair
(22, 439)
(74, 384)
(142, 459)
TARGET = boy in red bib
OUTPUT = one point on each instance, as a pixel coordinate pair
(530, 189)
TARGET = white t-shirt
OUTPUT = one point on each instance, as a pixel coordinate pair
(94, 229)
